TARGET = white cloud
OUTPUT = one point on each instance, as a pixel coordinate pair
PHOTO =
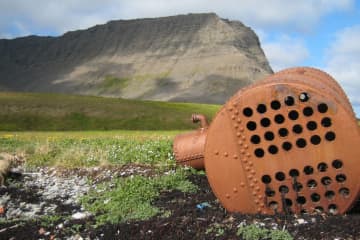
(65, 15)
(343, 62)
(285, 52)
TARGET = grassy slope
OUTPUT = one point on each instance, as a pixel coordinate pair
(38, 111)
(90, 148)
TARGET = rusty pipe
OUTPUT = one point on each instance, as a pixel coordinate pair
(200, 118)
(189, 147)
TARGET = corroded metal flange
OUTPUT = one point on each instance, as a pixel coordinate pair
(287, 144)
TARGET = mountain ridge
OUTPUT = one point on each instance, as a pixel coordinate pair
(191, 58)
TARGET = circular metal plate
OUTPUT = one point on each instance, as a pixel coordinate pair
(288, 144)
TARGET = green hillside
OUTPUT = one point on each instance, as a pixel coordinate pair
(39, 111)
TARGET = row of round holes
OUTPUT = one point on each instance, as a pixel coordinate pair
(315, 197)
(315, 139)
(308, 170)
(275, 105)
(332, 208)
(311, 125)
(300, 143)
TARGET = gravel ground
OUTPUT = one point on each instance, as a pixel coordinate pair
(50, 191)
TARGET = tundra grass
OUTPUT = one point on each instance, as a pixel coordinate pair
(131, 198)
(58, 112)
(86, 149)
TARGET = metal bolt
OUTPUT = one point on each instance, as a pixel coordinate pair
(235, 157)
(227, 196)
(226, 154)
(235, 190)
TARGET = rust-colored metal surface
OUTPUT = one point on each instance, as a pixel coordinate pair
(287, 144)
(189, 147)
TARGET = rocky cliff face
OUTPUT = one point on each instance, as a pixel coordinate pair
(193, 58)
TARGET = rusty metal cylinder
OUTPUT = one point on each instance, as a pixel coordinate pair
(189, 147)
(287, 144)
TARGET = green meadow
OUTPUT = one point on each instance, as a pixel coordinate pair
(59, 112)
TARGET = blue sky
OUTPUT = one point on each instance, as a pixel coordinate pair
(317, 33)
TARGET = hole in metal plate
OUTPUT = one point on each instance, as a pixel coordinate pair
(311, 125)
(315, 197)
(308, 170)
(301, 143)
(280, 176)
(265, 122)
(337, 164)
(269, 136)
(266, 179)
(261, 108)
(251, 125)
(248, 112)
(289, 101)
(293, 115)
(275, 105)
(322, 107)
(279, 119)
(255, 139)
(322, 167)
(311, 184)
(308, 111)
(315, 140)
(259, 152)
(273, 149)
(286, 146)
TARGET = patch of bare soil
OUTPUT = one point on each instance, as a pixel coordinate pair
(191, 216)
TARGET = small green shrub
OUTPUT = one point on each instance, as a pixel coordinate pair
(131, 198)
(253, 232)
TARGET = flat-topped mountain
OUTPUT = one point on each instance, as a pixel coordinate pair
(192, 58)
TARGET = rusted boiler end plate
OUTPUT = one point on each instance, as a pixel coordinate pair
(287, 144)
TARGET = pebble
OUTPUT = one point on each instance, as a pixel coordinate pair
(301, 221)
(80, 215)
